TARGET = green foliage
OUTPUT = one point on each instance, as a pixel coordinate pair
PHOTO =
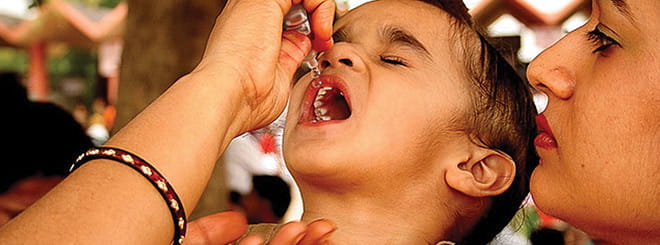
(68, 63)
(13, 60)
(36, 3)
(97, 3)
(74, 63)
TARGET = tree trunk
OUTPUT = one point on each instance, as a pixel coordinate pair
(163, 41)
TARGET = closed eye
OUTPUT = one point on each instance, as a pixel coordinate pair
(393, 60)
(601, 40)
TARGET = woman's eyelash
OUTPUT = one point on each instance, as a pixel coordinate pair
(601, 40)
(393, 60)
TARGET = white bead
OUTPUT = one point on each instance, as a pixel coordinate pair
(161, 185)
(127, 158)
(146, 170)
(174, 204)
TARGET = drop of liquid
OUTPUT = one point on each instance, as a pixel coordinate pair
(317, 83)
(316, 73)
(312, 61)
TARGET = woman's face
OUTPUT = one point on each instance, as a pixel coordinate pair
(600, 150)
(386, 101)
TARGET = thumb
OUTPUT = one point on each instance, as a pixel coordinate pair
(219, 228)
(295, 47)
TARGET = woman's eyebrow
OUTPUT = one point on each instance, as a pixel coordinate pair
(624, 9)
(397, 35)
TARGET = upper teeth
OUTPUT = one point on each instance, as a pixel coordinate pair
(319, 110)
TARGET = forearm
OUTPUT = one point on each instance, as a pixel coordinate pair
(181, 134)
(184, 132)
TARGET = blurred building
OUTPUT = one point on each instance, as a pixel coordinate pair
(520, 28)
(71, 23)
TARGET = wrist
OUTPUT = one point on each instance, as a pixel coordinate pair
(224, 85)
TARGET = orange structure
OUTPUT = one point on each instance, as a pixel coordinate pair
(59, 21)
(527, 12)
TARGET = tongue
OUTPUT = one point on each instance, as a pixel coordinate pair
(337, 105)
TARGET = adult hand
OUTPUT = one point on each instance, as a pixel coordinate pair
(298, 233)
(219, 228)
(247, 43)
(226, 227)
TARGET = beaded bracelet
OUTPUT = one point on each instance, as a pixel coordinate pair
(157, 180)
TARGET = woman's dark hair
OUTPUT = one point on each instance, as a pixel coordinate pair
(503, 117)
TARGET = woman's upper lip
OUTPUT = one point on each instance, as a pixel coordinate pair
(545, 139)
(543, 125)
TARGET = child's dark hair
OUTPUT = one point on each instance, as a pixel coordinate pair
(275, 190)
(503, 117)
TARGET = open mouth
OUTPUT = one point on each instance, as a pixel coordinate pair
(326, 101)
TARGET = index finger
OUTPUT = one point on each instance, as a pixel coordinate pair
(322, 18)
(318, 232)
(219, 228)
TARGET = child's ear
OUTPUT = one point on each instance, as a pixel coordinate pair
(486, 173)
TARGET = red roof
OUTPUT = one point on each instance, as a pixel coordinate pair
(61, 21)
(487, 11)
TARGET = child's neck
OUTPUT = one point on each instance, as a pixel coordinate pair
(371, 219)
(629, 238)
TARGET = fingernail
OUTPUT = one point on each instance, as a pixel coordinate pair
(300, 237)
(293, 36)
(325, 239)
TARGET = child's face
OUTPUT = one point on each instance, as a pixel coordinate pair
(402, 90)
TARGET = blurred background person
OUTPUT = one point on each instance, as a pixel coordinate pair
(97, 127)
(267, 202)
(39, 143)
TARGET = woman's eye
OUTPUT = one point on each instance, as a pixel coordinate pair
(601, 40)
(393, 60)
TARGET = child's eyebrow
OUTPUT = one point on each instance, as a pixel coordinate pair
(397, 35)
(341, 35)
(392, 35)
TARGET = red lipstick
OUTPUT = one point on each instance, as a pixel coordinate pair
(545, 139)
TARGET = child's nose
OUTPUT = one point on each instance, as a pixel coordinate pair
(347, 62)
(342, 56)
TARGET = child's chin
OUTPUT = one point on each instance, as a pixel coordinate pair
(312, 160)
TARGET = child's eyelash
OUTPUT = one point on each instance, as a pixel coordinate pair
(393, 60)
(601, 40)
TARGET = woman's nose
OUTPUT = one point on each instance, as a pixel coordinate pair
(554, 71)
(342, 55)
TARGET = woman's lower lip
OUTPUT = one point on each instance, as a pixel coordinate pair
(545, 141)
